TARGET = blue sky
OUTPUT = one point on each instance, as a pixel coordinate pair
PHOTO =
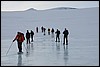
(42, 5)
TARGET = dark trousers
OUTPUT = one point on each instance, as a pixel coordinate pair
(37, 30)
(52, 35)
(42, 30)
(19, 46)
(28, 41)
(48, 33)
(31, 38)
(57, 37)
(44, 33)
(65, 37)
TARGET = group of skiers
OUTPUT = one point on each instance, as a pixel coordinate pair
(20, 36)
(42, 28)
(65, 32)
(28, 36)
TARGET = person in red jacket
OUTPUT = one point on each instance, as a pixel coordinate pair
(20, 38)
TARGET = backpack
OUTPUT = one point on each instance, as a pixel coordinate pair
(20, 37)
(23, 38)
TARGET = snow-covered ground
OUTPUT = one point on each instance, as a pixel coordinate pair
(83, 47)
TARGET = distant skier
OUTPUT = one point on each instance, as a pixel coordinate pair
(52, 31)
(48, 31)
(37, 29)
(57, 35)
(42, 29)
(28, 37)
(32, 33)
(65, 36)
(20, 38)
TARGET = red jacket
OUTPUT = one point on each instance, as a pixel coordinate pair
(19, 38)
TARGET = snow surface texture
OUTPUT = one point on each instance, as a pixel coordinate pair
(83, 47)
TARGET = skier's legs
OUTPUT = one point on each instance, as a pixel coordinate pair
(58, 39)
(48, 33)
(52, 35)
(44, 32)
(31, 38)
(27, 41)
(20, 46)
(37, 30)
(64, 40)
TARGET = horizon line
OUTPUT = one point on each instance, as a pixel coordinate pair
(44, 9)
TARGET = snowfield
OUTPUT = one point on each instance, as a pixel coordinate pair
(83, 47)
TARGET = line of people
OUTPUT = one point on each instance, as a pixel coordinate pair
(43, 29)
(65, 32)
(28, 36)
(20, 36)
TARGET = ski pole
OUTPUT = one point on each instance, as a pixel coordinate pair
(9, 48)
(25, 48)
(62, 40)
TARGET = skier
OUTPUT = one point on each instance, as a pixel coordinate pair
(37, 29)
(20, 38)
(28, 37)
(52, 31)
(48, 31)
(42, 29)
(32, 33)
(65, 36)
(57, 35)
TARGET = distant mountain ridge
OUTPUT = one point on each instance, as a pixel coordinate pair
(61, 8)
(57, 8)
(31, 9)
